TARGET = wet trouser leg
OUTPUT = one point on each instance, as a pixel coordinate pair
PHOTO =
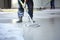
(30, 8)
(20, 9)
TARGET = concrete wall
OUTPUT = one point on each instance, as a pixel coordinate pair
(57, 3)
(14, 4)
(43, 3)
(37, 3)
(40, 3)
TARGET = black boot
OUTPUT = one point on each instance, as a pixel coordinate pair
(20, 20)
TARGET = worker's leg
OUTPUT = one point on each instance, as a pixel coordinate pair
(20, 12)
(30, 8)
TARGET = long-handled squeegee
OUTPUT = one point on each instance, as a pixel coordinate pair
(31, 23)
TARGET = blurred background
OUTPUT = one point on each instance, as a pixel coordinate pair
(13, 4)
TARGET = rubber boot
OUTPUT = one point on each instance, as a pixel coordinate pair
(20, 20)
